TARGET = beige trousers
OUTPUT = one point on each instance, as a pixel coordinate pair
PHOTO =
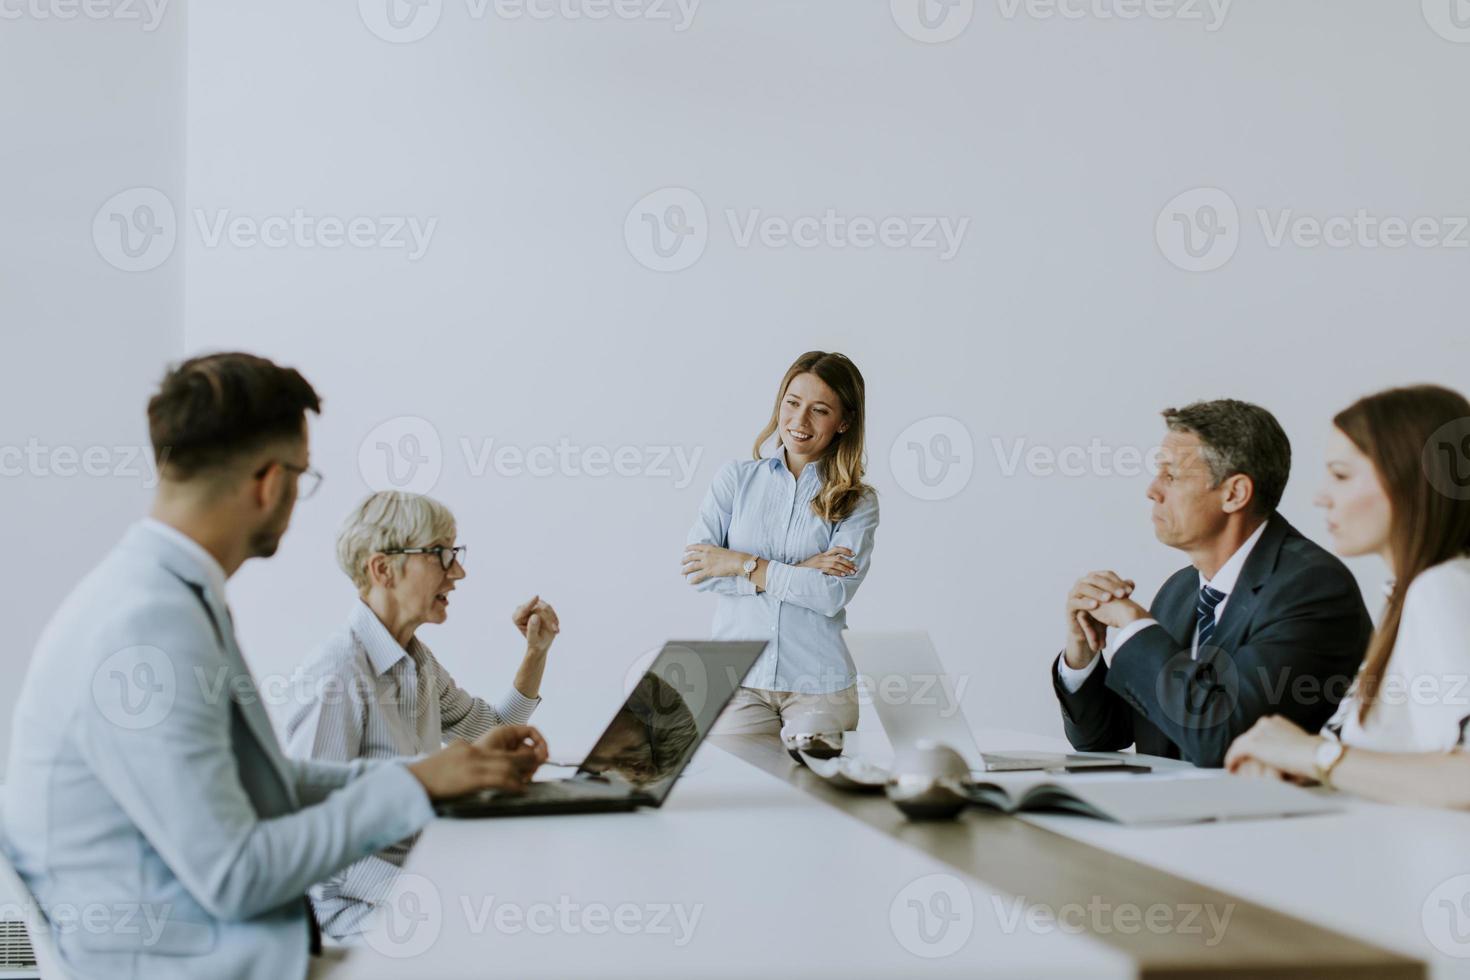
(753, 711)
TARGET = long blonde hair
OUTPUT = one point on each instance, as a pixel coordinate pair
(844, 458)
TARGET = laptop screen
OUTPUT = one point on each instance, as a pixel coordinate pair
(670, 710)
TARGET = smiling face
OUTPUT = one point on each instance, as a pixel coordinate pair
(421, 590)
(810, 418)
(1359, 515)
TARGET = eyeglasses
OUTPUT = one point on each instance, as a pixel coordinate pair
(308, 480)
(447, 556)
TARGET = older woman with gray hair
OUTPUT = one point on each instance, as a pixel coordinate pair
(373, 690)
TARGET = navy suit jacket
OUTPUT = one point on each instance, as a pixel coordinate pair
(1289, 642)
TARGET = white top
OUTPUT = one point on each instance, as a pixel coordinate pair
(1423, 701)
(1224, 581)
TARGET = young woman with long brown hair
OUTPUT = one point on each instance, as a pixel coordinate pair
(1398, 486)
(785, 540)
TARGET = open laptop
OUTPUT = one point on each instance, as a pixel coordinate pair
(916, 700)
(647, 744)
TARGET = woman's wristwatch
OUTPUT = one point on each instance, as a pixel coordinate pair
(1329, 753)
(748, 568)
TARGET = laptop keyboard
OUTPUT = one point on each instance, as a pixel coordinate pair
(564, 789)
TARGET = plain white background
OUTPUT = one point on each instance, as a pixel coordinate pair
(1062, 324)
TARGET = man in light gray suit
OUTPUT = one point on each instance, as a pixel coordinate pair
(149, 806)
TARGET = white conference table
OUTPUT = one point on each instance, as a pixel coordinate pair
(1368, 872)
(787, 884)
(784, 887)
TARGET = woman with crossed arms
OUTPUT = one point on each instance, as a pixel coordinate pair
(784, 542)
(1397, 487)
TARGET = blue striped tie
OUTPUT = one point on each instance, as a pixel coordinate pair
(1204, 612)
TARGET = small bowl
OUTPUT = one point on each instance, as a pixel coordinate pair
(930, 781)
(817, 734)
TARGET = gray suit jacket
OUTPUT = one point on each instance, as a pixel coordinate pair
(148, 804)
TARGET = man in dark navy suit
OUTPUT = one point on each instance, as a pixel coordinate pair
(1262, 622)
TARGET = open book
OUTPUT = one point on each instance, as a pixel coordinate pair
(1194, 796)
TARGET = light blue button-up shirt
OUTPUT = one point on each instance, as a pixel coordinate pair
(757, 507)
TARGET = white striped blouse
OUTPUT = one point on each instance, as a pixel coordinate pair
(363, 696)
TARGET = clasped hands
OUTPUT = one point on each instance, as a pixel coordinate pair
(707, 561)
(1097, 601)
(1274, 747)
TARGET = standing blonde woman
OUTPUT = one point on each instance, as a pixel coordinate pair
(784, 542)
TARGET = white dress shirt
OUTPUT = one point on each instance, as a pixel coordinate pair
(1224, 581)
(1423, 699)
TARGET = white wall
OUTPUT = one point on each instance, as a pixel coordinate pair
(93, 106)
(1060, 321)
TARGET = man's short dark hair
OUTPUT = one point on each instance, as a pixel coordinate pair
(211, 410)
(1238, 437)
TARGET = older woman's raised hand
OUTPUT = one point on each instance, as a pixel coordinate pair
(537, 622)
